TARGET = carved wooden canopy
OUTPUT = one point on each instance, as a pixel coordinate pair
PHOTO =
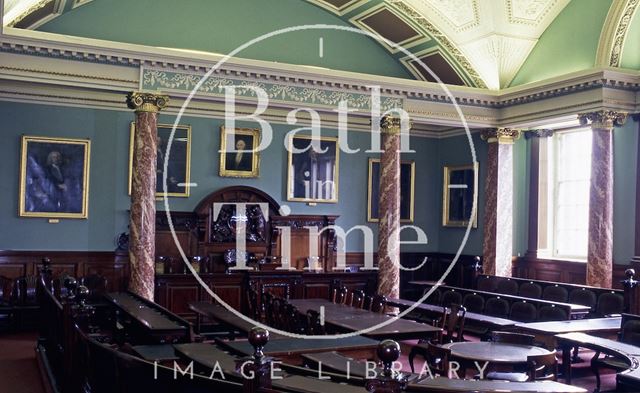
(218, 218)
(217, 224)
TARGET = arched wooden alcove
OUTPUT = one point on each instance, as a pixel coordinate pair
(216, 228)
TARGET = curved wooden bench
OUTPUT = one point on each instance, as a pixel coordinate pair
(627, 379)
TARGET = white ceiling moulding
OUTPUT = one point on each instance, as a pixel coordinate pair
(495, 36)
(614, 32)
(572, 92)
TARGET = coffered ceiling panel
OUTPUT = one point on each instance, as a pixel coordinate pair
(495, 36)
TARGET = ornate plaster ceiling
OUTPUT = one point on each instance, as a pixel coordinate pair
(495, 36)
(481, 43)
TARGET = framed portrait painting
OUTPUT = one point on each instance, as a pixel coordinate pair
(179, 160)
(54, 177)
(460, 184)
(407, 190)
(313, 168)
(238, 152)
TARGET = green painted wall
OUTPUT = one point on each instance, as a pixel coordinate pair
(631, 51)
(109, 202)
(521, 163)
(206, 26)
(625, 148)
(569, 43)
(457, 151)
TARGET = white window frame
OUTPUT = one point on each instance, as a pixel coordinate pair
(550, 165)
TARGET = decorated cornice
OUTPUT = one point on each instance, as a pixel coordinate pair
(278, 92)
(106, 67)
(146, 102)
(542, 133)
(503, 136)
(603, 120)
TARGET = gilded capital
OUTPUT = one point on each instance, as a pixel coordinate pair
(391, 125)
(504, 136)
(603, 120)
(146, 102)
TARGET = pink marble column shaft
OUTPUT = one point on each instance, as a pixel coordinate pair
(497, 245)
(142, 220)
(600, 247)
(389, 210)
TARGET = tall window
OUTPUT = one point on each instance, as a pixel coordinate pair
(565, 173)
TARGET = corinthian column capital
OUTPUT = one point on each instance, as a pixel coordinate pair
(503, 136)
(393, 125)
(603, 120)
(146, 102)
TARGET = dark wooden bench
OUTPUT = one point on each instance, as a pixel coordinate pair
(508, 306)
(602, 301)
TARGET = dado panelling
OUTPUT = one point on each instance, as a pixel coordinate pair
(113, 266)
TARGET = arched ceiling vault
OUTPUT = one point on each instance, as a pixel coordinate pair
(465, 42)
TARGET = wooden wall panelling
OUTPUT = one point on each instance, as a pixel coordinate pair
(562, 271)
(113, 265)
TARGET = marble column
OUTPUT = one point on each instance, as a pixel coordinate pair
(600, 248)
(142, 220)
(389, 209)
(497, 245)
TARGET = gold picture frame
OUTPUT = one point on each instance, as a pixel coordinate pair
(242, 164)
(179, 160)
(54, 177)
(316, 188)
(408, 168)
(459, 196)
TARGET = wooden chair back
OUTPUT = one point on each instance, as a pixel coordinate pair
(357, 299)
(96, 284)
(314, 328)
(7, 293)
(27, 290)
(542, 367)
(438, 359)
(452, 324)
(512, 338)
(378, 304)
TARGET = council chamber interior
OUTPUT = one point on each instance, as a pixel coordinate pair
(319, 195)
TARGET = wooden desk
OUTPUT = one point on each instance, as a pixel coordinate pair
(425, 283)
(147, 322)
(481, 319)
(208, 356)
(629, 353)
(296, 383)
(545, 332)
(290, 350)
(156, 353)
(349, 319)
(486, 386)
(493, 352)
(225, 317)
(331, 310)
